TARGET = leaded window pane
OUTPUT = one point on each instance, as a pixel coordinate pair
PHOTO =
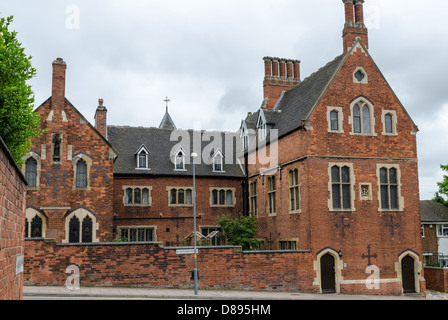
(335, 174)
(393, 197)
(215, 197)
(346, 196)
(392, 176)
(356, 119)
(181, 196)
(222, 196)
(383, 175)
(188, 196)
(388, 120)
(334, 119)
(141, 234)
(142, 160)
(366, 119)
(229, 198)
(31, 172)
(128, 196)
(132, 235)
(87, 230)
(336, 189)
(81, 174)
(148, 235)
(384, 197)
(36, 227)
(345, 174)
(73, 228)
(173, 195)
(137, 196)
(145, 196)
(296, 192)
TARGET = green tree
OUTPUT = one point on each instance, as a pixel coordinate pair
(442, 195)
(18, 122)
(239, 231)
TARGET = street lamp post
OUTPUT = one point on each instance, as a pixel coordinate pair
(194, 155)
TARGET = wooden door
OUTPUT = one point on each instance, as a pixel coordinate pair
(408, 274)
(328, 278)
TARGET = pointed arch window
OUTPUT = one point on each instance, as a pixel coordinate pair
(81, 174)
(73, 236)
(334, 119)
(363, 121)
(87, 230)
(36, 227)
(31, 172)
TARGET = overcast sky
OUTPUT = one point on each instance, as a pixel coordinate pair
(206, 56)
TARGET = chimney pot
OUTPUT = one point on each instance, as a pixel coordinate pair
(279, 77)
(101, 118)
(58, 84)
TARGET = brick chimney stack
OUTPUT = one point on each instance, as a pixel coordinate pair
(354, 26)
(280, 75)
(58, 84)
(101, 118)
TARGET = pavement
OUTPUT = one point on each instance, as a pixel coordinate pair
(90, 293)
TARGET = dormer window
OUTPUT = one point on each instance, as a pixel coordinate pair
(262, 131)
(179, 159)
(218, 161)
(244, 136)
(142, 155)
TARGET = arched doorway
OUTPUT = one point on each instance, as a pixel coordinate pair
(328, 273)
(408, 274)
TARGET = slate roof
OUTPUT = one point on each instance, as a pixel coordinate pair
(127, 140)
(297, 103)
(431, 211)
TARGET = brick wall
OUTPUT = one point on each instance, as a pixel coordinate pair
(12, 222)
(147, 265)
(436, 279)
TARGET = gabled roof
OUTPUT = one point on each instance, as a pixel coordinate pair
(433, 212)
(167, 122)
(83, 119)
(128, 139)
(297, 103)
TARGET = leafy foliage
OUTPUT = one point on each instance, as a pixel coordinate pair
(442, 195)
(239, 231)
(18, 122)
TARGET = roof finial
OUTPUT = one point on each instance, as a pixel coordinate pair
(167, 100)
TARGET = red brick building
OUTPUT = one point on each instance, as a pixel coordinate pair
(328, 165)
(69, 172)
(97, 183)
(345, 181)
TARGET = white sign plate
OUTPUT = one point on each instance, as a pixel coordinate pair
(186, 251)
(19, 264)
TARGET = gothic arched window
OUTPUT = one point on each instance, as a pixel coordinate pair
(87, 229)
(73, 229)
(36, 227)
(31, 172)
(81, 174)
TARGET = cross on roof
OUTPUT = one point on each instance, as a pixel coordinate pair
(166, 101)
